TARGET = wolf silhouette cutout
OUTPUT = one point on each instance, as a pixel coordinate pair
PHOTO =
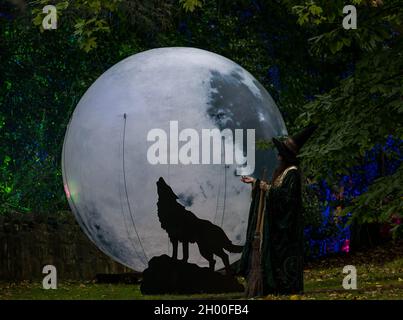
(184, 226)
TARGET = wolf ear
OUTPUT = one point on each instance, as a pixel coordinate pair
(167, 188)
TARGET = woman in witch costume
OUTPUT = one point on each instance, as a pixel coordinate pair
(282, 225)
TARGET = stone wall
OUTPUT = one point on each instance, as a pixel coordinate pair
(30, 241)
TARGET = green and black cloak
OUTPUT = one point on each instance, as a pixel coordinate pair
(282, 235)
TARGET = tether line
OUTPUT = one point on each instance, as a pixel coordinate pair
(225, 190)
(219, 188)
(218, 199)
(124, 215)
(125, 183)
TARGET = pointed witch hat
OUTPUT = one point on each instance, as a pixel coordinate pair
(292, 145)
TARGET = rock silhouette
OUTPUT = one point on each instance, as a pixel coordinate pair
(166, 275)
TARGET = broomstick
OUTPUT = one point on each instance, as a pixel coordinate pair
(254, 286)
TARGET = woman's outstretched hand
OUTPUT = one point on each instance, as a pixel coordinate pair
(246, 179)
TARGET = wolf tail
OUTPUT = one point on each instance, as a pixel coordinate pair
(233, 248)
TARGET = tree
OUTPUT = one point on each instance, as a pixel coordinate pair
(365, 108)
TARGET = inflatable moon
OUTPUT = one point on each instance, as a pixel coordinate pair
(130, 128)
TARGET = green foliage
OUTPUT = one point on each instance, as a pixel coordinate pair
(43, 77)
(360, 110)
(363, 109)
(309, 12)
(6, 183)
(190, 5)
(382, 203)
(93, 20)
(311, 208)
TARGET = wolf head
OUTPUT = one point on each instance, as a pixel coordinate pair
(165, 191)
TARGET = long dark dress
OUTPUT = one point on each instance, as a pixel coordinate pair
(282, 245)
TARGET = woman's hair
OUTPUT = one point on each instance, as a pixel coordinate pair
(282, 165)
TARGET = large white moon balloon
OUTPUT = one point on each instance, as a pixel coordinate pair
(111, 184)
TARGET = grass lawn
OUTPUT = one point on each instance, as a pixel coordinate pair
(379, 274)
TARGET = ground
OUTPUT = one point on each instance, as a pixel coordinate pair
(379, 274)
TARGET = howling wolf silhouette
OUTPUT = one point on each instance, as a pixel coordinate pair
(184, 226)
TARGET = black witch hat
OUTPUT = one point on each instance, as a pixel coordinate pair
(292, 145)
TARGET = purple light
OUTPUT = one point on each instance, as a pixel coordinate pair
(333, 235)
(346, 246)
